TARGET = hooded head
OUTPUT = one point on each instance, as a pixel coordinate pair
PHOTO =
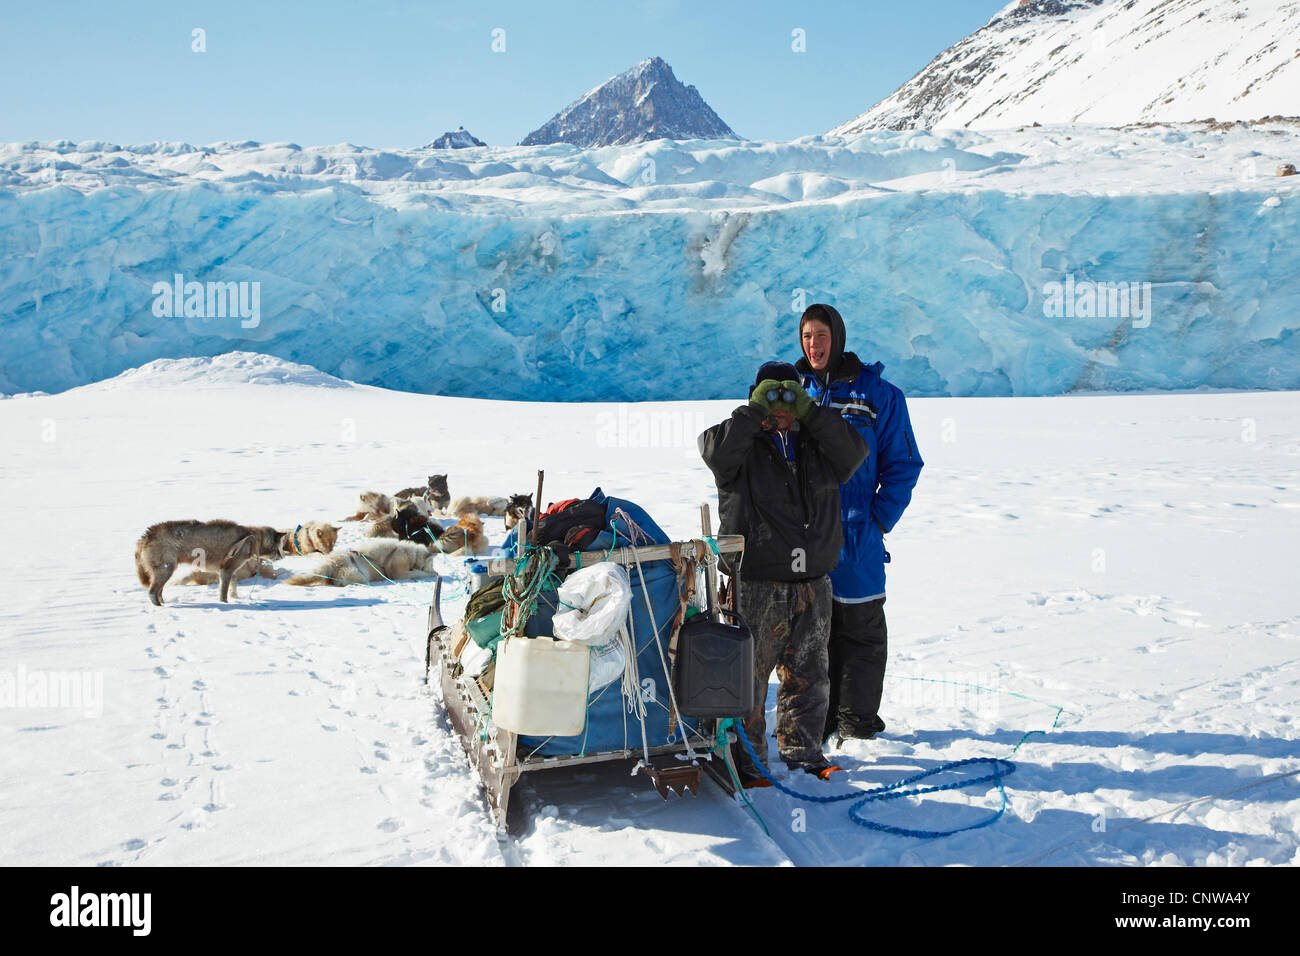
(829, 317)
(777, 371)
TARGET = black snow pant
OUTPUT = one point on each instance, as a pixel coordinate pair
(858, 649)
(791, 623)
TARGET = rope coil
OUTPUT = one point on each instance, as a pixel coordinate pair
(1001, 769)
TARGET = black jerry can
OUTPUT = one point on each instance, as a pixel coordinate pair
(715, 669)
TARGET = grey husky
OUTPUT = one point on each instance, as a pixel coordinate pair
(222, 544)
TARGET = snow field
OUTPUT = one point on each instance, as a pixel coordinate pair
(1118, 569)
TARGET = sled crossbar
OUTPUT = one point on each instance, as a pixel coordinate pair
(727, 544)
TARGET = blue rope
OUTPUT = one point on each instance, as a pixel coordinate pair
(1001, 769)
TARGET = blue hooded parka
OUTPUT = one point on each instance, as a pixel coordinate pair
(873, 500)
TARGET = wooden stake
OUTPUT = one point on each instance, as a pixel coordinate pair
(710, 563)
(537, 506)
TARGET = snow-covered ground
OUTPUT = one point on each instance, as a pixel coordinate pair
(1118, 573)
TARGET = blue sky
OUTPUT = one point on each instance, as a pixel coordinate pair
(392, 74)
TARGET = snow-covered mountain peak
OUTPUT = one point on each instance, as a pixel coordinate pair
(1105, 62)
(1020, 10)
(646, 102)
(458, 138)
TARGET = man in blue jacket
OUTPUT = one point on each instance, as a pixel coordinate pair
(871, 503)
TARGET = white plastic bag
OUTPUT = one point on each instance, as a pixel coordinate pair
(596, 601)
(475, 659)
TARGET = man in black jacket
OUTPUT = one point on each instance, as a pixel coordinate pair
(778, 463)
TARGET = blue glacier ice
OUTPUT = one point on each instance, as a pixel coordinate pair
(664, 270)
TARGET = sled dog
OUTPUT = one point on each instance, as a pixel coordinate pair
(310, 538)
(220, 544)
(406, 524)
(512, 508)
(517, 509)
(465, 536)
(419, 504)
(371, 504)
(251, 568)
(435, 492)
(368, 562)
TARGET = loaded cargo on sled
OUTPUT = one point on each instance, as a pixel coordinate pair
(596, 638)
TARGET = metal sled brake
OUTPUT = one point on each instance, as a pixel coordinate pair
(497, 754)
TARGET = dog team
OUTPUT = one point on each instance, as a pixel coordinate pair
(407, 539)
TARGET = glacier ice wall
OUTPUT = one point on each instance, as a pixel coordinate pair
(945, 286)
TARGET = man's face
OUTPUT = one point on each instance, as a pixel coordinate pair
(783, 420)
(816, 338)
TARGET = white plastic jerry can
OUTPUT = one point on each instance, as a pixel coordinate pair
(540, 688)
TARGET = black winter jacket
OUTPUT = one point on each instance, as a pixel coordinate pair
(788, 512)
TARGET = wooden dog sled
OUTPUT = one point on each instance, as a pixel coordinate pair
(500, 757)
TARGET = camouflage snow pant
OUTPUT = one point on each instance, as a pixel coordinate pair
(791, 624)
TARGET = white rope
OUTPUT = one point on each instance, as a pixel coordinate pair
(635, 533)
(639, 707)
(631, 676)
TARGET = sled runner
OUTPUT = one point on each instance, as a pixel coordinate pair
(620, 721)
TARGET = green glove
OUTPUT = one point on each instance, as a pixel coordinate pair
(803, 402)
(759, 395)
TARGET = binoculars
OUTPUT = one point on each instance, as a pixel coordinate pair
(779, 395)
